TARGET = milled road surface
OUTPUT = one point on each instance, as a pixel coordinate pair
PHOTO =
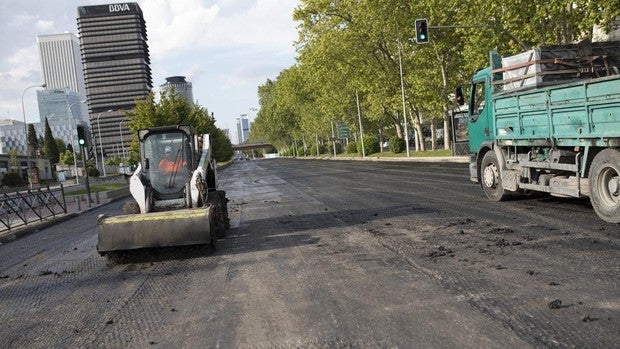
(330, 254)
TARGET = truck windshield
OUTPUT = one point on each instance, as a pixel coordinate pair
(476, 103)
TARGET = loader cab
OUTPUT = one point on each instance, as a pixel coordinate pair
(167, 160)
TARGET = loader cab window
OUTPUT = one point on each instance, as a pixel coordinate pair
(168, 155)
(476, 99)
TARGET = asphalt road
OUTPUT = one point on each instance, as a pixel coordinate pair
(330, 254)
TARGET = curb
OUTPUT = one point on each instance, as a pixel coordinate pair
(449, 159)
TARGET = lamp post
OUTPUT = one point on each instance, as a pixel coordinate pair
(26, 131)
(101, 146)
(73, 140)
(120, 130)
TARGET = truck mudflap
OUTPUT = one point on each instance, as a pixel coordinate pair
(156, 229)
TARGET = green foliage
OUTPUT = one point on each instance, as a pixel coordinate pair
(11, 179)
(321, 149)
(172, 109)
(33, 141)
(60, 145)
(66, 158)
(13, 161)
(113, 161)
(300, 152)
(352, 47)
(91, 168)
(397, 145)
(49, 145)
(371, 145)
(351, 148)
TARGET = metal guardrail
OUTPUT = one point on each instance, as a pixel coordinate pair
(21, 208)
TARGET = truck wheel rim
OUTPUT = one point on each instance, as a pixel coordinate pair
(609, 186)
(490, 176)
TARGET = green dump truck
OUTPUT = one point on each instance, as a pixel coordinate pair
(548, 120)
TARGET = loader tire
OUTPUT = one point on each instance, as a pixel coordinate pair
(221, 223)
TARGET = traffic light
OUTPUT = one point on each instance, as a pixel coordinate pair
(81, 136)
(421, 31)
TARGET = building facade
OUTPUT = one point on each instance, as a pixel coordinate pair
(116, 63)
(179, 85)
(60, 104)
(61, 65)
(243, 128)
(12, 133)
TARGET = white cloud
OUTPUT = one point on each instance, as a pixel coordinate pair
(178, 27)
(44, 26)
(174, 25)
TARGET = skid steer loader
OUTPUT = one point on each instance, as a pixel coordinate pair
(175, 189)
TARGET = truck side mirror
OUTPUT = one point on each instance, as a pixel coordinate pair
(460, 99)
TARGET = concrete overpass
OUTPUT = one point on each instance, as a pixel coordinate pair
(251, 146)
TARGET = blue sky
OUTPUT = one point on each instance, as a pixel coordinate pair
(225, 48)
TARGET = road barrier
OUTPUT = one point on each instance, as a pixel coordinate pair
(21, 208)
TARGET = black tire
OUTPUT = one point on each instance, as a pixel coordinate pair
(490, 177)
(218, 200)
(604, 178)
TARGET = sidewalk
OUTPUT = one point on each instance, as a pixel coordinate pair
(74, 208)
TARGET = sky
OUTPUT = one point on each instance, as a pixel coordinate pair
(225, 48)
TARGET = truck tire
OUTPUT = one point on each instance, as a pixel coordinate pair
(490, 177)
(604, 178)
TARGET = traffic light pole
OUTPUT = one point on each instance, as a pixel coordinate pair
(493, 27)
(90, 200)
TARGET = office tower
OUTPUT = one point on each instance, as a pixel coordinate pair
(180, 86)
(61, 64)
(243, 129)
(60, 104)
(115, 58)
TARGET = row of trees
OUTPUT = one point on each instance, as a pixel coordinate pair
(352, 48)
(174, 109)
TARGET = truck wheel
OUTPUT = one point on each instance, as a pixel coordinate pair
(490, 177)
(604, 178)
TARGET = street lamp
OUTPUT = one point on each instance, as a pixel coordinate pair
(73, 140)
(101, 146)
(26, 131)
(120, 130)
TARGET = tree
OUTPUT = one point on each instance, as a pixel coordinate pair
(60, 145)
(33, 141)
(173, 109)
(49, 145)
(352, 47)
(66, 158)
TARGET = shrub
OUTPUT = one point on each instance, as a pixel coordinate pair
(300, 152)
(313, 150)
(397, 145)
(93, 172)
(11, 179)
(371, 145)
(351, 148)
